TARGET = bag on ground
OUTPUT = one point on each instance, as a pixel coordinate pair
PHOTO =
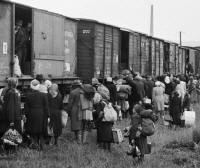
(117, 135)
(148, 127)
(12, 137)
(64, 118)
(109, 113)
(189, 118)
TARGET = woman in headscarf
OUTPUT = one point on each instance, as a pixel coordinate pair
(158, 99)
(55, 107)
(12, 115)
(37, 114)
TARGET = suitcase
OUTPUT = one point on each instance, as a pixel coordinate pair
(188, 118)
(117, 135)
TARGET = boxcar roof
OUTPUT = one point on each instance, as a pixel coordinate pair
(97, 22)
(28, 6)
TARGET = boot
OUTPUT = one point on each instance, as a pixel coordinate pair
(79, 137)
(84, 137)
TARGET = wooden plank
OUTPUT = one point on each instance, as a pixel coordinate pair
(5, 40)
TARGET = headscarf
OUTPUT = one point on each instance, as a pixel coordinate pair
(35, 84)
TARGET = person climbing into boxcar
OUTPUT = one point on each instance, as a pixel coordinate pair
(80, 103)
(37, 114)
(158, 100)
(11, 113)
(55, 107)
(112, 89)
(137, 90)
(20, 43)
(149, 84)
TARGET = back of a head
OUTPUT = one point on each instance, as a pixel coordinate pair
(12, 82)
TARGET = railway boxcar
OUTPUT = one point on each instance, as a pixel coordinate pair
(136, 55)
(98, 49)
(52, 48)
(156, 56)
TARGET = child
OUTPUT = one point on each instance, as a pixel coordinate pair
(55, 107)
(138, 132)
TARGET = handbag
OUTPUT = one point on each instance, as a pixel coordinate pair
(50, 130)
(109, 113)
(64, 118)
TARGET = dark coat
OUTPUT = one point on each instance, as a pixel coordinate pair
(113, 92)
(37, 112)
(137, 92)
(55, 107)
(11, 112)
(148, 84)
(74, 109)
(175, 109)
(104, 128)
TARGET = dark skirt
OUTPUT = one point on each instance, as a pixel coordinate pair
(55, 122)
(104, 132)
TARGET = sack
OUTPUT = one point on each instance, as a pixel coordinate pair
(109, 113)
(12, 137)
(117, 135)
(97, 98)
(50, 130)
(64, 118)
(17, 69)
(189, 118)
(87, 115)
(104, 92)
(148, 127)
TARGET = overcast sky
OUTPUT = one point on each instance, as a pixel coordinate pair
(170, 16)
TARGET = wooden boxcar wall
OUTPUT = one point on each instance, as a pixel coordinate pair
(98, 50)
(5, 40)
(134, 51)
(166, 60)
(172, 58)
(106, 50)
(85, 50)
(156, 56)
(145, 66)
(54, 44)
(197, 61)
(192, 58)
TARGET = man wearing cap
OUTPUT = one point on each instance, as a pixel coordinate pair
(20, 43)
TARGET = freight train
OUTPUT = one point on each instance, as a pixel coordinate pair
(68, 48)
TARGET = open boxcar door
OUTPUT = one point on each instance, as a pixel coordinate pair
(48, 39)
(6, 38)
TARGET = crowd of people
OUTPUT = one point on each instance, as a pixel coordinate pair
(131, 95)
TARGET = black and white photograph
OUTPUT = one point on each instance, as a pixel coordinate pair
(99, 84)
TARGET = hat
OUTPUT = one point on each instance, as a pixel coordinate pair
(54, 86)
(95, 81)
(109, 79)
(157, 83)
(35, 84)
(48, 83)
(77, 82)
(19, 23)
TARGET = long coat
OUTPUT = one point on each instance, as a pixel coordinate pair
(74, 109)
(37, 112)
(158, 98)
(11, 112)
(55, 107)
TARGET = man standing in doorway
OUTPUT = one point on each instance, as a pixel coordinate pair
(20, 43)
